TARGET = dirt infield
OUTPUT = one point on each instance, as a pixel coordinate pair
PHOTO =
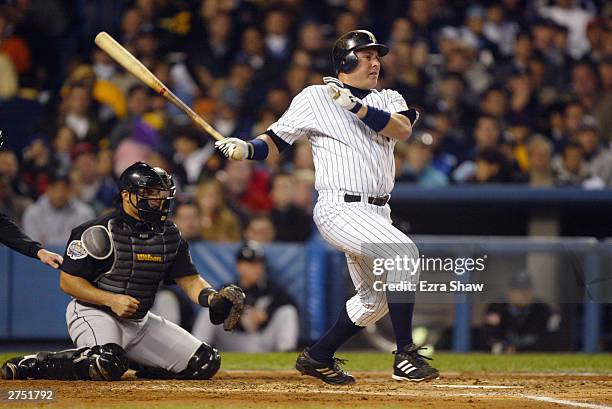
(280, 389)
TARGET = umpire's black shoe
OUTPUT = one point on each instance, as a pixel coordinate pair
(328, 372)
(409, 365)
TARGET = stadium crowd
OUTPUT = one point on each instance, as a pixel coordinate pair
(509, 91)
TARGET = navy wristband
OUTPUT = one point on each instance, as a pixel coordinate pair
(258, 149)
(376, 118)
(203, 297)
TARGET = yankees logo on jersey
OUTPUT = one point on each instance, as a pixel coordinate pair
(348, 155)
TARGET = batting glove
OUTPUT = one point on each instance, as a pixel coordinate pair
(341, 95)
(233, 148)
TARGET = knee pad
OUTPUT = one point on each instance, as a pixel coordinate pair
(204, 364)
(106, 362)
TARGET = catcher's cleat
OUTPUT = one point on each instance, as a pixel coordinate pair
(19, 368)
(409, 365)
(8, 370)
(328, 372)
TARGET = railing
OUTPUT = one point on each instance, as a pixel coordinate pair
(586, 252)
(508, 193)
(33, 307)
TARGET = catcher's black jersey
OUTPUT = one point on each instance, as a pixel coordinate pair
(78, 263)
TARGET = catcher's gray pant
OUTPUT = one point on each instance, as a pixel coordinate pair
(151, 341)
(281, 333)
(364, 232)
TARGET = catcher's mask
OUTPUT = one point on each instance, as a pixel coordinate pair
(152, 192)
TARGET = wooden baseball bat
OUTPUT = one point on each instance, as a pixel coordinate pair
(124, 58)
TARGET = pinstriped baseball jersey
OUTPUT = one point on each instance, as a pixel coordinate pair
(348, 155)
(351, 157)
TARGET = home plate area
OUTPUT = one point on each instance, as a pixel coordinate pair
(285, 389)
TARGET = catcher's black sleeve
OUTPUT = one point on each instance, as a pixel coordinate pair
(182, 266)
(12, 236)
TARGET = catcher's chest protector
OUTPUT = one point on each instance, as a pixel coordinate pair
(140, 264)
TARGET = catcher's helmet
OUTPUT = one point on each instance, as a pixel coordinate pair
(343, 53)
(154, 189)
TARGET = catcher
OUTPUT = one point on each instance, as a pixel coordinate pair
(112, 268)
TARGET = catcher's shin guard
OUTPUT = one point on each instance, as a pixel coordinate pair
(204, 364)
(106, 362)
(101, 362)
(149, 372)
(43, 365)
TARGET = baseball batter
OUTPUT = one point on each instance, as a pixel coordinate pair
(352, 129)
(113, 268)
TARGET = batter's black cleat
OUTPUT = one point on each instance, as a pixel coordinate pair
(328, 372)
(409, 365)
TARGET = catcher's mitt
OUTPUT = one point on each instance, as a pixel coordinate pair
(226, 306)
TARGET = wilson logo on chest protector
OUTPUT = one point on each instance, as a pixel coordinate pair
(149, 257)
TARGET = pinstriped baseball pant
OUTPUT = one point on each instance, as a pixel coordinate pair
(364, 232)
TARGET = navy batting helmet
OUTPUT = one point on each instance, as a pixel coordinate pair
(343, 53)
(154, 189)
